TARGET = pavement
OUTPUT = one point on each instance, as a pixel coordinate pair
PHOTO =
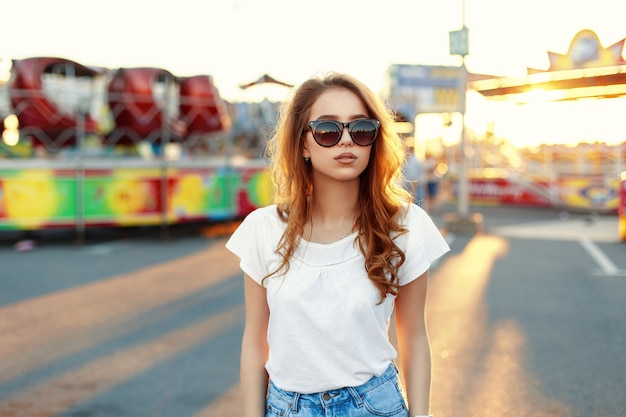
(541, 223)
(526, 319)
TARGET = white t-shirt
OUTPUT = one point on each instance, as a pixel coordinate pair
(326, 329)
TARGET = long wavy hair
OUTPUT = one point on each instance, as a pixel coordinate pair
(381, 196)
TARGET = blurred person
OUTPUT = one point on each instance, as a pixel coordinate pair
(412, 175)
(326, 265)
(431, 180)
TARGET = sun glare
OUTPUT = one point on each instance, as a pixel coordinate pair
(10, 134)
(538, 95)
(5, 70)
(539, 120)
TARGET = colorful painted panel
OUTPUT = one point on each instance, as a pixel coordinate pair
(38, 198)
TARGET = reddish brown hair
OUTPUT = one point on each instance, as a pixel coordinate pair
(381, 198)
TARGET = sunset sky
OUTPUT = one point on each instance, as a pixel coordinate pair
(236, 41)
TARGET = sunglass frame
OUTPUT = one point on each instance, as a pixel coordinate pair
(313, 125)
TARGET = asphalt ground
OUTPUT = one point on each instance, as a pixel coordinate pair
(525, 318)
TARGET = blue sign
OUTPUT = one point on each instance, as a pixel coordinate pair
(425, 76)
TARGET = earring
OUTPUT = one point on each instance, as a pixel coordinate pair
(307, 159)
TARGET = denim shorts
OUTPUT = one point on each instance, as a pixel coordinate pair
(380, 396)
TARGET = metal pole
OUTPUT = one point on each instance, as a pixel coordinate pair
(165, 138)
(463, 192)
(80, 180)
(463, 12)
(462, 220)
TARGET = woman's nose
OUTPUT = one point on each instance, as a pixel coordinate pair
(346, 139)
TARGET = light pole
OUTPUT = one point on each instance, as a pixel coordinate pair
(463, 191)
(462, 221)
(463, 182)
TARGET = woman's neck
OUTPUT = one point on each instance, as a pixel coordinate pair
(333, 211)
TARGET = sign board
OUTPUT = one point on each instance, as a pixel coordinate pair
(426, 88)
(459, 42)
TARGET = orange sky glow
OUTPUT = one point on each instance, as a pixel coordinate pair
(236, 41)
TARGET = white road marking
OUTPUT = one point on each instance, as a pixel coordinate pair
(106, 248)
(605, 229)
(604, 262)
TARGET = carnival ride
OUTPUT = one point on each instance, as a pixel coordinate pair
(129, 146)
(553, 138)
(41, 119)
(583, 174)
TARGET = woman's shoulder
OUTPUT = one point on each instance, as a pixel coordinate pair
(417, 220)
(263, 214)
(264, 210)
(411, 212)
(262, 221)
(267, 217)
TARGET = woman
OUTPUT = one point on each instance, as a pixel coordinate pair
(432, 182)
(325, 266)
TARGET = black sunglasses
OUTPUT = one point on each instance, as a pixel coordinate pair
(327, 133)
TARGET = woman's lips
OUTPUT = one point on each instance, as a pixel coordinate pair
(346, 158)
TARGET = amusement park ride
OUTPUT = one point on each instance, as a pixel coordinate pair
(545, 167)
(84, 146)
(585, 175)
(132, 146)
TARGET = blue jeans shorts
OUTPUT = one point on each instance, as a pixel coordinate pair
(380, 396)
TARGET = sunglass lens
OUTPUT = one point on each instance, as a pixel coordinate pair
(363, 133)
(327, 134)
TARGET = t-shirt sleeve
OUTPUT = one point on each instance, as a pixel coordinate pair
(251, 242)
(423, 244)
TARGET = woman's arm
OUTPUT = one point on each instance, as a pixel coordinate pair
(254, 350)
(413, 344)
